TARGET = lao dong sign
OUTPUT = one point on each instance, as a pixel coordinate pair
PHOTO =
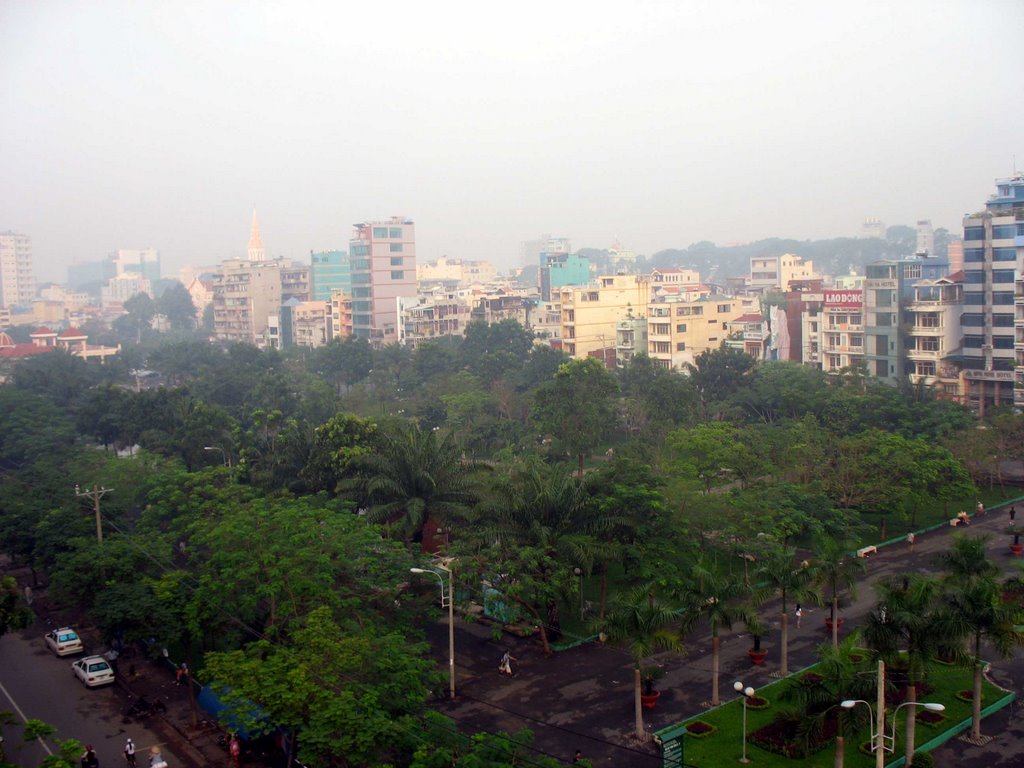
(845, 299)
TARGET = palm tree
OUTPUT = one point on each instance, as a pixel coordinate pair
(416, 476)
(544, 511)
(838, 572)
(908, 627)
(788, 579)
(966, 559)
(645, 625)
(721, 598)
(976, 611)
(839, 675)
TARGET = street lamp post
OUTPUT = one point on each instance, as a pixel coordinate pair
(446, 600)
(879, 736)
(579, 572)
(224, 455)
(747, 692)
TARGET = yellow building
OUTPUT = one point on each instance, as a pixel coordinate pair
(590, 314)
(768, 273)
(459, 272)
(679, 329)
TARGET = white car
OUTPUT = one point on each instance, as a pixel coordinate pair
(64, 641)
(93, 671)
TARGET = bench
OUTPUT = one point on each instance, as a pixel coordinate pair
(868, 550)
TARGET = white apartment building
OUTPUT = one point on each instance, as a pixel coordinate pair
(17, 279)
(935, 333)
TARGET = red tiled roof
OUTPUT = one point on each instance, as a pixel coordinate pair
(43, 331)
(23, 350)
(750, 318)
(72, 333)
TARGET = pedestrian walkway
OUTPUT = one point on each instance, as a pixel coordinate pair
(583, 698)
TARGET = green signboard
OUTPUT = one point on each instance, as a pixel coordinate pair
(672, 746)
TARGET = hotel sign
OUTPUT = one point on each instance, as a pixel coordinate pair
(849, 299)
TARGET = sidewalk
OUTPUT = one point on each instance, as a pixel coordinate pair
(583, 698)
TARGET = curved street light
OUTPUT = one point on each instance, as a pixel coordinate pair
(878, 738)
(446, 601)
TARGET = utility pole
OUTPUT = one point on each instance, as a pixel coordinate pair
(95, 494)
(880, 746)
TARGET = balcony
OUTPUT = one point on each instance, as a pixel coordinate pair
(924, 354)
(927, 330)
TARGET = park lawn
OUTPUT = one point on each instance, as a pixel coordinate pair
(724, 746)
(939, 513)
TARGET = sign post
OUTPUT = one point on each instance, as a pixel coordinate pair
(672, 751)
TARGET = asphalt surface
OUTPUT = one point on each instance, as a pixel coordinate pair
(583, 698)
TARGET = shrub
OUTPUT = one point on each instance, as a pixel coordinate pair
(924, 760)
(699, 729)
(758, 702)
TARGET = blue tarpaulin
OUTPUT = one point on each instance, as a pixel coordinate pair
(210, 702)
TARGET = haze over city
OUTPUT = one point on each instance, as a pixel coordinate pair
(132, 125)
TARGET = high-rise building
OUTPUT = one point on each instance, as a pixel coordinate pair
(143, 262)
(993, 341)
(873, 227)
(562, 270)
(17, 280)
(330, 272)
(382, 255)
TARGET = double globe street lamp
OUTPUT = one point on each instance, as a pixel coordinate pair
(879, 736)
(748, 692)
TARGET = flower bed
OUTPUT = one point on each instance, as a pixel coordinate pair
(758, 702)
(698, 729)
(782, 738)
(930, 718)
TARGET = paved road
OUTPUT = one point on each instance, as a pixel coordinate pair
(583, 698)
(36, 684)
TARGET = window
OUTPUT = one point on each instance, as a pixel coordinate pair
(1002, 275)
(395, 233)
(834, 362)
(712, 338)
(380, 232)
(1004, 254)
(681, 328)
(660, 329)
(725, 307)
(972, 320)
(926, 369)
(856, 320)
(974, 233)
(856, 340)
(911, 271)
(360, 293)
(360, 250)
(662, 347)
(681, 346)
(398, 275)
(1002, 231)
(1002, 342)
(396, 261)
(396, 247)
(1002, 298)
(883, 298)
(973, 342)
(712, 321)
(973, 298)
(974, 277)
(1002, 320)
(927, 320)
(974, 255)
(928, 345)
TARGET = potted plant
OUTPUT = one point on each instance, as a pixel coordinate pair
(756, 653)
(1016, 548)
(649, 695)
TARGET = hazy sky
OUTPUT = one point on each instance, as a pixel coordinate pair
(137, 124)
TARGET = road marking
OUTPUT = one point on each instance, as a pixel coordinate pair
(23, 718)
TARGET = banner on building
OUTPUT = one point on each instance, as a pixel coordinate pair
(847, 299)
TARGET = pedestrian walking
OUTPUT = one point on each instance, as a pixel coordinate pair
(578, 757)
(1013, 513)
(505, 667)
(129, 752)
(89, 759)
(799, 615)
(979, 508)
(180, 674)
(910, 540)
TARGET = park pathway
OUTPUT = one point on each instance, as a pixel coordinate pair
(583, 698)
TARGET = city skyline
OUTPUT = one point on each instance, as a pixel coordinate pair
(138, 125)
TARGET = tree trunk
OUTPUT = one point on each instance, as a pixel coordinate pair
(641, 734)
(784, 617)
(840, 750)
(835, 620)
(976, 702)
(581, 465)
(911, 724)
(604, 589)
(715, 660)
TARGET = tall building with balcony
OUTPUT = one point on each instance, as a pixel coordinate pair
(680, 328)
(834, 334)
(993, 319)
(775, 273)
(562, 270)
(934, 319)
(17, 279)
(590, 314)
(383, 261)
(247, 302)
(888, 289)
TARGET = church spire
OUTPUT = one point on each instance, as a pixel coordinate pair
(255, 241)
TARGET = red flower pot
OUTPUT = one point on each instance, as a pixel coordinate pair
(757, 657)
(828, 622)
(647, 701)
(1017, 548)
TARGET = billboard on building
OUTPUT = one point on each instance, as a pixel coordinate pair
(844, 299)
